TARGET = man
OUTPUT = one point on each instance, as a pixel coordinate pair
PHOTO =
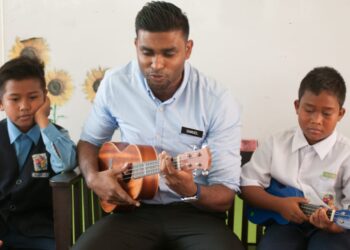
(162, 101)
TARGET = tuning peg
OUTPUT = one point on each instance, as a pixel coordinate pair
(194, 147)
(205, 172)
(194, 173)
(110, 163)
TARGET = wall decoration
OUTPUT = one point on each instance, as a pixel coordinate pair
(31, 47)
(60, 89)
(92, 82)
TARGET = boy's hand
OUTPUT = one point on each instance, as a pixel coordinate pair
(320, 220)
(289, 208)
(42, 114)
(1, 243)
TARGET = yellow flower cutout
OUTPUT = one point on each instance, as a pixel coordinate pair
(59, 86)
(92, 82)
(32, 47)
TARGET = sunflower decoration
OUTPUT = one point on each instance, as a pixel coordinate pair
(60, 89)
(92, 82)
(35, 47)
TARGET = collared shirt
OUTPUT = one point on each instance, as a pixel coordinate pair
(321, 171)
(125, 102)
(57, 142)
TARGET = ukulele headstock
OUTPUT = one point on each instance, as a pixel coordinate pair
(198, 159)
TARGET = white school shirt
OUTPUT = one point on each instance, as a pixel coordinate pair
(321, 171)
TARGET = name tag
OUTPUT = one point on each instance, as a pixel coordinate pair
(191, 131)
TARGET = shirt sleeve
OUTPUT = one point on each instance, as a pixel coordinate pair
(342, 186)
(100, 125)
(61, 148)
(223, 139)
(257, 172)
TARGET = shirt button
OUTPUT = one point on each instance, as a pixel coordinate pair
(12, 207)
(19, 182)
(160, 109)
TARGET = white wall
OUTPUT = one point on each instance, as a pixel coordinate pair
(260, 49)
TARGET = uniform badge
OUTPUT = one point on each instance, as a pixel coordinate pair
(329, 200)
(40, 166)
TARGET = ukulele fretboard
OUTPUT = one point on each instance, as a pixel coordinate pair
(308, 209)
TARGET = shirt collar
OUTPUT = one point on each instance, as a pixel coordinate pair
(14, 132)
(178, 92)
(322, 148)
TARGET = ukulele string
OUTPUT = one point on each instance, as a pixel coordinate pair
(309, 209)
(147, 168)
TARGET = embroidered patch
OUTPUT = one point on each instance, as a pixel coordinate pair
(328, 199)
(39, 162)
(329, 175)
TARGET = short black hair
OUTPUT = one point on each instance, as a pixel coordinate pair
(159, 16)
(22, 68)
(324, 79)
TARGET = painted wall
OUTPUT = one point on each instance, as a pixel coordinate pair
(259, 49)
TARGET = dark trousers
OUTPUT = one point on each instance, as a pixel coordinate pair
(302, 237)
(14, 240)
(153, 227)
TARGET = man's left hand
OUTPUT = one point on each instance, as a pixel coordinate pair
(181, 182)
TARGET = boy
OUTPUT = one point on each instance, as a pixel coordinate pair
(31, 151)
(312, 158)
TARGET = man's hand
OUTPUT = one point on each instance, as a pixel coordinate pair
(181, 182)
(42, 114)
(106, 184)
(320, 220)
(289, 208)
(1, 243)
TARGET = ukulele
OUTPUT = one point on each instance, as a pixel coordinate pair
(266, 217)
(141, 180)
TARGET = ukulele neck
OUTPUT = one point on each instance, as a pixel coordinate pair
(308, 209)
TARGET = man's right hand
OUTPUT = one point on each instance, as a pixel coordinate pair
(1, 243)
(106, 184)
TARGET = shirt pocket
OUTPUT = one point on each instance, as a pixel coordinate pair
(325, 187)
(189, 142)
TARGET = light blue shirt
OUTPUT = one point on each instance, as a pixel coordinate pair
(125, 102)
(58, 144)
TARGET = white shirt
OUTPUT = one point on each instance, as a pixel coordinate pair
(124, 101)
(320, 171)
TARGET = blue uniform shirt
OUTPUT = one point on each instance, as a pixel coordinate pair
(57, 142)
(125, 102)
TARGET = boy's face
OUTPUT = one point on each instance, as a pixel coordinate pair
(318, 115)
(20, 101)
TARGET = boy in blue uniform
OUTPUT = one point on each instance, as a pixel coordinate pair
(312, 158)
(32, 150)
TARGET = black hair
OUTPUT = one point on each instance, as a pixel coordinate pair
(159, 16)
(324, 79)
(22, 68)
